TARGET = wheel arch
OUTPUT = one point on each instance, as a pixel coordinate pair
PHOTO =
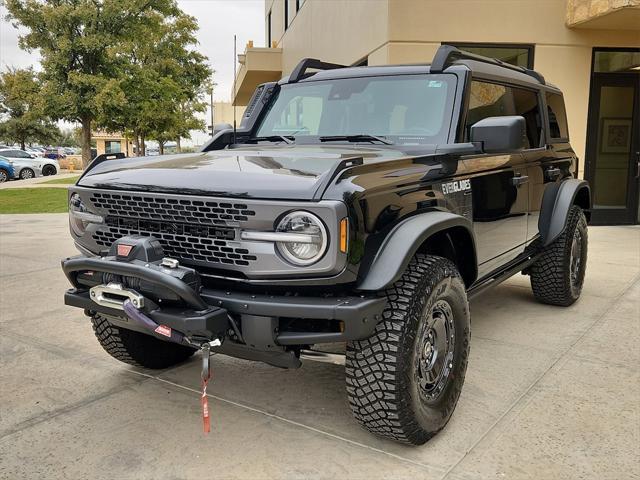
(556, 202)
(438, 233)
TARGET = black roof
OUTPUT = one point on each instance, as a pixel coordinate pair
(447, 59)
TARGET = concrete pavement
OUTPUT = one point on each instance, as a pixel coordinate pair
(40, 182)
(550, 392)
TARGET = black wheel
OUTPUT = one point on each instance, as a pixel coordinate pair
(137, 348)
(4, 175)
(27, 173)
(48, 170)
(558, 275)
(405, 380)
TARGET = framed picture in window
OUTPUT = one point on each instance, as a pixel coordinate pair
(616, 135)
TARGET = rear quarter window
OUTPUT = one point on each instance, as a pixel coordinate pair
(557, 116)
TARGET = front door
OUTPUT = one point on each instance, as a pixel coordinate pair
(613, 148)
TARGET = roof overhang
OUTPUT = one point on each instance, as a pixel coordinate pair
(607, 15)
(257, 65)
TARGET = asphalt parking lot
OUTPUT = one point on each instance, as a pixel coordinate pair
(550, 392)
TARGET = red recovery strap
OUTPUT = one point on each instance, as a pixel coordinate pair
(206, 375)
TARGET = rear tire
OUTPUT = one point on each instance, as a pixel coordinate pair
(26, 173)
(137, 348)
(405, 380)
(558, 274)
(48, 170)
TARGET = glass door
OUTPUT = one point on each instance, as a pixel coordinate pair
(613, 146)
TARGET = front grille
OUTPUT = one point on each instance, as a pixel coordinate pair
(182, 210)
(189, 230)
(190, 243)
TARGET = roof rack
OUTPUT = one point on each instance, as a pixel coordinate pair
(298, 73)
(447, 54)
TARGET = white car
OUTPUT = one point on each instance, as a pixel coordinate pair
(27, 165)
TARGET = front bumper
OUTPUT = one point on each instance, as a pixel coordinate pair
(264, 322)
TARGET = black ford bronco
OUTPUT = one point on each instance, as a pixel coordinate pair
(357, 205)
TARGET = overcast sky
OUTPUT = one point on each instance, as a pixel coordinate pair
(219, 20)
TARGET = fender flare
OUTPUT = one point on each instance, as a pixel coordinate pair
(556, 202)
(402, 243)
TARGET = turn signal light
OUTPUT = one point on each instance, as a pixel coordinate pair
(344, 234)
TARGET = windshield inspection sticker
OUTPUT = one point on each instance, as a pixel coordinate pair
(434, 84)
(457, 186)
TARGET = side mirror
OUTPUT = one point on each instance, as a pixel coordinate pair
(500, 134)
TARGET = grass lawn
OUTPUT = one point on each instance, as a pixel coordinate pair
(33, 200)
(63, 181)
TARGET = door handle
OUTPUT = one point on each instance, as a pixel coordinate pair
(519, 180)
(638, 165)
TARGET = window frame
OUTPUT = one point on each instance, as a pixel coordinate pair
(286, 15)
(541, 108)
(269, 33)
(530, 47)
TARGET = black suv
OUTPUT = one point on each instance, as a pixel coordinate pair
(361, 205)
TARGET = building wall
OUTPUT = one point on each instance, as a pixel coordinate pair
(410, 31)
(223, 113)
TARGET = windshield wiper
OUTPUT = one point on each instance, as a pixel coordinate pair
(274, 138)
(363, 137)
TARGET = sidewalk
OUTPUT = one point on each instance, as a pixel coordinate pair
(40, 182)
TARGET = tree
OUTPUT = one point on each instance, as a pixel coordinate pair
(81, 44)
(160, 94)
(24, 117)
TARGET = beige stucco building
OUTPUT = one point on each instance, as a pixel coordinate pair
(589, 48)
(107, 142)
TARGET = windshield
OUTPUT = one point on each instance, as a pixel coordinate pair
(405, 109)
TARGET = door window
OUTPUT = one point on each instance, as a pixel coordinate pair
(494, 100)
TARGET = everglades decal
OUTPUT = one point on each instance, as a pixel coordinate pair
(457, 186)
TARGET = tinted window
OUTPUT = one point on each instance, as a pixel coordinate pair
(408, 109)
(493, 100)
(16, 154)
(557, 116)
(520, 55)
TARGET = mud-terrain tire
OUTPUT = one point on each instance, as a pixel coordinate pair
(393, 385)
(137, 348)
(557, 275)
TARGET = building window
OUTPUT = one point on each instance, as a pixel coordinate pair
(112, 146)
(269, 30)
(286, 14)
(494, 100)
(617, 60)
(516, 54)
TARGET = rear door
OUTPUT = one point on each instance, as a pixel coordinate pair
(499, 183)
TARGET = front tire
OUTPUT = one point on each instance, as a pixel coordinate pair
(404, 381)
(137, 348)
(558, 274)
(4, 175)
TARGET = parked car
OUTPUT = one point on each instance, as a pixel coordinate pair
(35, 151)
(369, 218)
(27, 165)
(6, 169)
(55, 153)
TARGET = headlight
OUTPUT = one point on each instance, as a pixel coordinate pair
(307, 240)
(79, 216)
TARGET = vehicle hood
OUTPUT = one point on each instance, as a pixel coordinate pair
(288, 172)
